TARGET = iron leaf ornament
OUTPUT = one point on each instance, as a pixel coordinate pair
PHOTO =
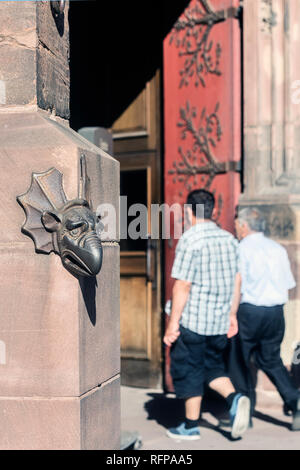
(191, 35)
(199, 159)
(64, 227)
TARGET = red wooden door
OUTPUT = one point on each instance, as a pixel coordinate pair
(202, 113)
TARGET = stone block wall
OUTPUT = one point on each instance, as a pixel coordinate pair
(272, 136)
(59, 336)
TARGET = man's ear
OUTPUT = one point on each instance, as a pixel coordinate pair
(245, 229)
(214, 213)
(51, 221)
(189, 211)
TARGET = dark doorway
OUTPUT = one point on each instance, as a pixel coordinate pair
(115, 49)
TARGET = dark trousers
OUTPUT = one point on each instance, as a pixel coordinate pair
(261, 331)
(196, 360)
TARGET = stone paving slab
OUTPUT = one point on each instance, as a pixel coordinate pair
(150, 412)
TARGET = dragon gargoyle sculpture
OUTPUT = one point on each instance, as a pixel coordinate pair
(65, 227)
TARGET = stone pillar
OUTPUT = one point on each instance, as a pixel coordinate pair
(272, 132)
(59, 337)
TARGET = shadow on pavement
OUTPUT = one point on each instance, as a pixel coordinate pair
(270, 419)
(169, 412)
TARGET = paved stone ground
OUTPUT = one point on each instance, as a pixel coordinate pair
(150, 412)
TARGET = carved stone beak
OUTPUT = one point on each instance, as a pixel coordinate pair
(93, 253)
(85, 260)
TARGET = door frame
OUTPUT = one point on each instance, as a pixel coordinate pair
(147, 372)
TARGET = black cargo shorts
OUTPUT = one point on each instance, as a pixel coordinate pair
(196, 360)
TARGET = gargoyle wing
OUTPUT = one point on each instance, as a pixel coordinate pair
(45, 193)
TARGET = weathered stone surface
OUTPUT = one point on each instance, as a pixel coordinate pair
(105, 173)
(17, 75)
(40, 424)
(53, 30)
(53, 86)
(99, 326)
(292, 330)
(34, 56)
(53, 74)
(61, 337)
(39, 325)
(16, 17)
(50, 336)
(271, 92)
(89, 422)
(100, 417)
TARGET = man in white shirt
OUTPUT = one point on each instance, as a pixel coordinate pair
(266, 279)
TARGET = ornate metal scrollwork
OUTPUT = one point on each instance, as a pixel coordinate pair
(198, 160)
(64, 227)
(192, 35)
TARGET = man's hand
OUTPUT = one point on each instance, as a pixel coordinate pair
(172, 333)
(180, 294)
(233, 328)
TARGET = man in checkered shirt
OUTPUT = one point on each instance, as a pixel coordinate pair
(205, 301)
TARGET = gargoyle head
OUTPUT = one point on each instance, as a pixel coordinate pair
(65, 227)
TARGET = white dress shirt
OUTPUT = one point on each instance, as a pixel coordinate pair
(265, 270)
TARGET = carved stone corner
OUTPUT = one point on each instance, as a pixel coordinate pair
(290, 183)
(267, 16)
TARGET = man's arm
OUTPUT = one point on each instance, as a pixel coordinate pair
(233, 329)
(180, 294)
(288, 275)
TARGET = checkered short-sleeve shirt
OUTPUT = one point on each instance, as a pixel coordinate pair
(207, 256)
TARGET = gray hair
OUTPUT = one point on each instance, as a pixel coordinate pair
(253, 217)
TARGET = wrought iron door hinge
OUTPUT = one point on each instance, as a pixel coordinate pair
(221, 15)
